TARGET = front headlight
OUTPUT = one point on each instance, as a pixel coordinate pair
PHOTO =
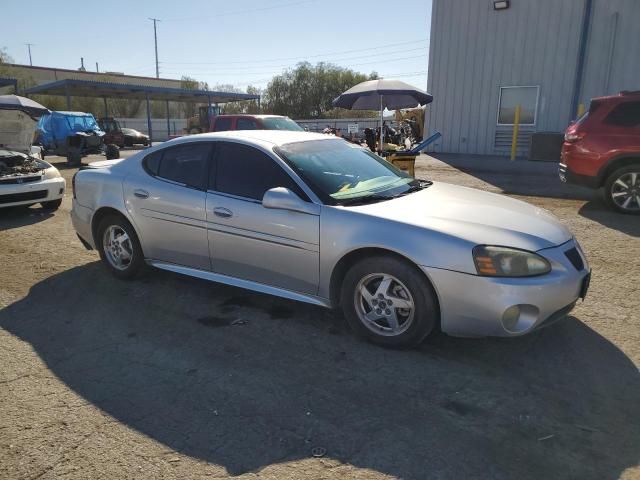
(50, 173)
(493, 261)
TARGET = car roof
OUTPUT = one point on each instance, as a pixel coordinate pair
(623, 95)
(250, 115)
(72, 114)
(265, 137)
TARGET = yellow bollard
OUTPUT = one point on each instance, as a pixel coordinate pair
(514, 139)
(580, 110)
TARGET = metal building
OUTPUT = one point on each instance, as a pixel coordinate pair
(548, 56)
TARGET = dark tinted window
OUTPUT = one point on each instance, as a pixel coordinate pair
(222, 124)
(152, 162)
(186, 164)
(246, 124)
(247, 172)
(625, 115)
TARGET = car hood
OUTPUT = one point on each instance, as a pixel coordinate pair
(16, 130)
(473, 215)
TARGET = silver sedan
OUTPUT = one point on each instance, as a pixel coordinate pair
(316, 219)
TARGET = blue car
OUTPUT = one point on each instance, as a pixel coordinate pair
(72, 135)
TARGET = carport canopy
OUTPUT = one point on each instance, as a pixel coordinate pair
(9, 82)
(86, 88)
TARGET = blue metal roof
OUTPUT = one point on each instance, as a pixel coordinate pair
(88, 88)
(5, 82)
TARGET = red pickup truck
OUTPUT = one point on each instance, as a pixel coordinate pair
(221, 123)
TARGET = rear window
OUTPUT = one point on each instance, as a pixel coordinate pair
(624, 115)
(222, 125)
(281, 123)
(246, 124)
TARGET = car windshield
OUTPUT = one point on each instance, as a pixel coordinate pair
(281, 123)
(341, 173)
(81, 123)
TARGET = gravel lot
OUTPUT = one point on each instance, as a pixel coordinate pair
(172, 377)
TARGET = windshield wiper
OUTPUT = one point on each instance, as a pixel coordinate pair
(365, 200)
(421, 185)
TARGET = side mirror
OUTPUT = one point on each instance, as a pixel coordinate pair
(281, 198)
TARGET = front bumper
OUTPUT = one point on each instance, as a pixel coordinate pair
(475, 306)
(15, 194)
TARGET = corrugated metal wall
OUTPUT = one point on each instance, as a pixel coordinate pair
(475, 50)
(613, 53)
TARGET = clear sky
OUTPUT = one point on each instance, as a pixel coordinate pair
(241, 42)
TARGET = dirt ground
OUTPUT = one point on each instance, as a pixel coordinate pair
(172, 377)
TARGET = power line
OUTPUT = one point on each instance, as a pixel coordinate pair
(332, 60)
(240, 12)
(266, 72)
(300, 57)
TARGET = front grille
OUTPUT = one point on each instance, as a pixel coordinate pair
(23, 197)
(19, 180)
(575, 258)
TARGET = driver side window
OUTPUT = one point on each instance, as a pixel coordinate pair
(246, 172)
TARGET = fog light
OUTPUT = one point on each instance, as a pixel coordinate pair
(510, 318)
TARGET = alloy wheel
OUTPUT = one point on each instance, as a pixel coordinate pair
(117, 247)
(384, 304)
(625, 191)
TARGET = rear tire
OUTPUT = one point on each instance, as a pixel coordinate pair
(112, 152)
(389, 302)
(119, 247)
(52, 205)
(622, 190)
(74, 157)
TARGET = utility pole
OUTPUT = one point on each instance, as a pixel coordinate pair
(29, 47)
(155, 38)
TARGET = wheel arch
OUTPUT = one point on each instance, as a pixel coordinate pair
(103, 212)
(616, 163)
(350, 258)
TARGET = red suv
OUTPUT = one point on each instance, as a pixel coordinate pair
(602, 149)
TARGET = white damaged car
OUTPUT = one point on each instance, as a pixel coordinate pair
(25, 179)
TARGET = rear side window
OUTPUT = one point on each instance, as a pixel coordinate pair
(222, 125)
(152, 163)
(246, 172)
(625, 115)
(185, 164)
(246, 124)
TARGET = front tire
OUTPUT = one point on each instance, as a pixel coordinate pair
(389, 302)
(52, 205)
(622, 190)
(74, 157)
(119, 247)
(112, 152)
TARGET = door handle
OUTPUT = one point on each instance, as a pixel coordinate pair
(141, 193)
(222, 212)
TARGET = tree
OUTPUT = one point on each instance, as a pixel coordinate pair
(307, 91)
(188, 83)
(4, 56)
